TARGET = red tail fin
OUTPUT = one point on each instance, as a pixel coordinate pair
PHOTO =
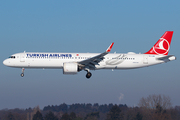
(162, 45)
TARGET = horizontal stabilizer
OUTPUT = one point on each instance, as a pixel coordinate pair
(167, 58)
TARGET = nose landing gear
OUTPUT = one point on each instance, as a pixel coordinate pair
(22, 74)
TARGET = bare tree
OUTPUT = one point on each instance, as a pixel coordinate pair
(152, 101)
(155, 107)
(31, 114)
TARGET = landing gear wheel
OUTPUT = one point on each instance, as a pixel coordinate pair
(88, 75)
(22, 74)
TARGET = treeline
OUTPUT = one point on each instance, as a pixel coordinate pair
(79, 108)
(94, 112)
(154, 107)
(60, 112)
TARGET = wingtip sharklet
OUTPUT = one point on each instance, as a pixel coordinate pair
(110, 47)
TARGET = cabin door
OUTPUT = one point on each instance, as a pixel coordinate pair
(22, 57)
(145, 59)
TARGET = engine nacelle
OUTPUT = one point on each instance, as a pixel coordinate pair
(70, 68)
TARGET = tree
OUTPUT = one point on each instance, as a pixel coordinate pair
(72, 115)
(63, 107)
(92, 116)
(65, 116)
(155, 107)
(38, 116)
(153, 100)
(103, 108)
(139, 116)
(159, 109)
(10, 116)
(114, 113)
(50, 116)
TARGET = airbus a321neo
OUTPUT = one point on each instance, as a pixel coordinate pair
(72, 63)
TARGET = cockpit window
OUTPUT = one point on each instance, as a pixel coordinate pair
(12, 57)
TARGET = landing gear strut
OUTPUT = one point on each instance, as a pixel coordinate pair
(22, 74)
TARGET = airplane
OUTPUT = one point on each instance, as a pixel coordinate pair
(72, 63)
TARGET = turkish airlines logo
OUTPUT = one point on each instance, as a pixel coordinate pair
(162, 47)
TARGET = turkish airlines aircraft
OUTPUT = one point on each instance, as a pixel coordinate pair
(71, 63)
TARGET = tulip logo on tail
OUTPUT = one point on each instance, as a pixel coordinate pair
(162, 47)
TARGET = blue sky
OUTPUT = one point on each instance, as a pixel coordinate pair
(87, 26)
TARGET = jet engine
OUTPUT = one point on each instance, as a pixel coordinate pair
(70, 68)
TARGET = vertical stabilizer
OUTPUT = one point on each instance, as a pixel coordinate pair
(162, 45)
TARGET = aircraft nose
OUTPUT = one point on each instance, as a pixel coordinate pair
(5, 62)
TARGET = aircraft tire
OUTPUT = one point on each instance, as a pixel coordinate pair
(88, 75)
(22, 74)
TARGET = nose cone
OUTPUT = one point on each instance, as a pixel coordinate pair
(5, 62)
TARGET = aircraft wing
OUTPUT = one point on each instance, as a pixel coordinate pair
(91, 62)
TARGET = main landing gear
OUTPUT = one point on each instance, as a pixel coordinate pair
(22, 74)
(88, 75)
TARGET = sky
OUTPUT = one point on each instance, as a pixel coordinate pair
(87, 26)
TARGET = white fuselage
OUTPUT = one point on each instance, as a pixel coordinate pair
(56, 60)
(71, 63)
